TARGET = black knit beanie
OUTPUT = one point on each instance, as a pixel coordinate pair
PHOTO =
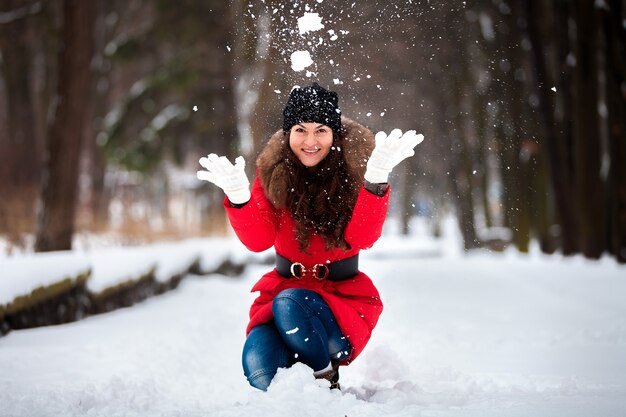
(312, 104)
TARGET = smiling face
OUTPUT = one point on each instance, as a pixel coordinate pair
(311, 142)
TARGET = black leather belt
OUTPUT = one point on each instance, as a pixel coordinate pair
(334, 271)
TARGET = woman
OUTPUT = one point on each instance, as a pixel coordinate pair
(318, 203)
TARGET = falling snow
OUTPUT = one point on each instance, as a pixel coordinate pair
(300, 60)
(310, 22)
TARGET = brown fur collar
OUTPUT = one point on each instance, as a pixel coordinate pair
(356, 144)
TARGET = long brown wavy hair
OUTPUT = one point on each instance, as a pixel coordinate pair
(320, 198)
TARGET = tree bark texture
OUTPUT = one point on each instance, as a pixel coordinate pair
(590, 191)
(615, 38)
(557, 151)
(20, 144)
(461, 177)
(20, 155)
(60, 179)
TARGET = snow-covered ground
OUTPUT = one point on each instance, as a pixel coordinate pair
(479, 335)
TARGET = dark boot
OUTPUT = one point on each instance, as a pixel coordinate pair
(332, 375)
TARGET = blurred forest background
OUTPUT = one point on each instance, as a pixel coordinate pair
(107, 105)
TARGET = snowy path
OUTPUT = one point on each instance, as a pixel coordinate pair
(475, 336)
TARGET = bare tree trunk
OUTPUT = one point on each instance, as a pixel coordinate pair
(20, 155)
(518, 168)
(408, 190)
(258, 124)
(564, 99)
(615, 37)
(96, 166)
(60, 179)
(225, 96)
(482, 116)
(557, 152)
(465, 209)
(540, 207)
(513, 168)
(244, 75)
(457, 83)
(461, 175)
(589, 186)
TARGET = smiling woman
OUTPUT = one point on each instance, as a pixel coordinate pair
(310, 142)
(318, 203)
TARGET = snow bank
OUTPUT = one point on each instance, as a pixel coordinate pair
(484, 335)
(174, 259)
(52, 288)
(21, 275)
(116, 265)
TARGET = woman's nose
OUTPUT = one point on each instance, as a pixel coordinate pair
(309, 139)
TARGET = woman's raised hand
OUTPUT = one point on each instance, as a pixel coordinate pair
(390, 150)
(230, 178)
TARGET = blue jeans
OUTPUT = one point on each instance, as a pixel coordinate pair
(303, 330)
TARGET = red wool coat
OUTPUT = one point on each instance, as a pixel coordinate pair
(355, 302)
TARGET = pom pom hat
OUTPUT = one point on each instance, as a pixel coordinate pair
(312, 104)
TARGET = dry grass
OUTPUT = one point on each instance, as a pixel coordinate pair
(18, 225)
(17, 216)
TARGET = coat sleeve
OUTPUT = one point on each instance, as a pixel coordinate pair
(255, 223)
(368, 217)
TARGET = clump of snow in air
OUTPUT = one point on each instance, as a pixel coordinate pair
(292, 331)
(310, 22)
(300, 60)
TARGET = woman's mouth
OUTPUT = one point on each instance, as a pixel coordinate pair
(311, 151)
